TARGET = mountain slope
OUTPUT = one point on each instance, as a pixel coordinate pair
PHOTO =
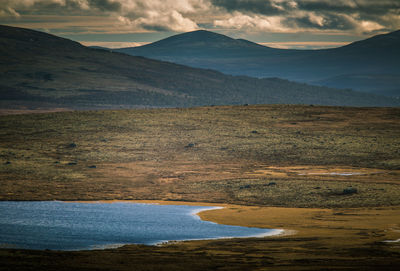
(198, 43)
(38, 69)
(374, 56)
(386, 44)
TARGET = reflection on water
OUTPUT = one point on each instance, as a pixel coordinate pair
(75, 226)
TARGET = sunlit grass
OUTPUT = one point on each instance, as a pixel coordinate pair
(135, 151)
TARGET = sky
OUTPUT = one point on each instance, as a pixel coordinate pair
(301, 24)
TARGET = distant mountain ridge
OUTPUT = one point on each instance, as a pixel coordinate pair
(42, 70)
(389, 41)
(197, 43)
(372, 57)
(191, 41)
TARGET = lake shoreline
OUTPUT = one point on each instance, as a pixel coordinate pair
(122, 217)
(273, 217)
(337, 230)
(201, 214)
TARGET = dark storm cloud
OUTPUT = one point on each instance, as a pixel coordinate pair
(374, 7)
(347, 15)
(321, 14)
(255, 6)
(153, 15)
(60, 7)
(330, 21)
(274, 7)
(90, 6)
(105, 5)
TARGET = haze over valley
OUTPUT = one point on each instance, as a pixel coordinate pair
(370, 65)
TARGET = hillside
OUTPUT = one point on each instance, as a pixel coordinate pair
(370, 58)
(42, 70)
(199, 43)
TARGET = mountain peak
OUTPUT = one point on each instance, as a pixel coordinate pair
(195, 43)
(204, 33)
(198, 37)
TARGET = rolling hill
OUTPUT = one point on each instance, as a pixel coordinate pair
(373, 58)
(42, 70)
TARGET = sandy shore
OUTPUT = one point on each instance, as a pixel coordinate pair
(303, 222)
(313, 239)
(201, 213)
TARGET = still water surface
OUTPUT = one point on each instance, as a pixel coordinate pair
(77, 226)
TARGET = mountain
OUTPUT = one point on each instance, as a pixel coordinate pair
(42, 70)
(199, 43)
(384, 44)
(369, 58)
(205, 49)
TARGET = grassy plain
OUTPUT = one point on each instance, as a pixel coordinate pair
(252, 156)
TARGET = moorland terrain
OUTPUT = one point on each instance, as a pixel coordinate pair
(329, 176)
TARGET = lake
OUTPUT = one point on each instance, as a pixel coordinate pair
(59, 225)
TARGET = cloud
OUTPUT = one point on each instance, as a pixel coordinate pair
(268, 7)
(137, 14)
(239, 20)
(57, 6)
(159, 21)
(160, 15)
(312, 20)
(308, 15)
(104, 5)
(355, 17)
(9, 11)
(279, 7)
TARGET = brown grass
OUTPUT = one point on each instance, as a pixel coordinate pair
(254, 156)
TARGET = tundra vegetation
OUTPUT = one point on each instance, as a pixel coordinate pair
(328, 174)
